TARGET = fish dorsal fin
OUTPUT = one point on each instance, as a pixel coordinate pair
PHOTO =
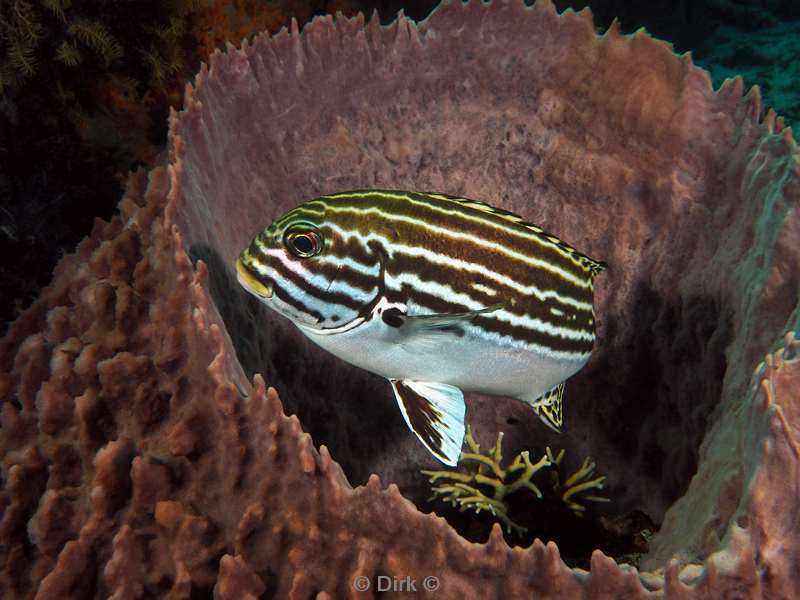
(550, 407)
(503, 214)
(593, 267)
(435, 413)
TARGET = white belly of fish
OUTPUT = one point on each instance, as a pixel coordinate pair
(469, 362)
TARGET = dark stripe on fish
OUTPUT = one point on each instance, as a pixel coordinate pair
(462, 280)
(491, 224)
(284, 296)
(512, 302)
(492, 324)
(331, 272)
(324, 296)
(417, 236)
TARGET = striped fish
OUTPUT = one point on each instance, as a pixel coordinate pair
(436, 293)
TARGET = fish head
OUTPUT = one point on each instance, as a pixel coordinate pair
(312, 269)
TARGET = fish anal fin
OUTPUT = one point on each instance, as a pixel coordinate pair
(550, 407)
(435, 413)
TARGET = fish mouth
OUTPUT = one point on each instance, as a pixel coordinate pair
(250, 283)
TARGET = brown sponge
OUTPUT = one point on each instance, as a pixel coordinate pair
(141, 456)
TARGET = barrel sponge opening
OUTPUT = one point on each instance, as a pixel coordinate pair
(617, 145)
(140, 378)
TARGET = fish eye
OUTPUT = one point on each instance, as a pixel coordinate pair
(303, 242)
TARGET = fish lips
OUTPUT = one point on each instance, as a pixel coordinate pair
(251, 284)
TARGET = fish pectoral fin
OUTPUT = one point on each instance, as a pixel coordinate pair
(446, 321)
(550, 407)
(423, 333)
(435, 413)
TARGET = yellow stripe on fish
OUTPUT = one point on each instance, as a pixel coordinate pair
(436, 293)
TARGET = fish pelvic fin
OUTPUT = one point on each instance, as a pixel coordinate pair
(435, 413)
(550, 407)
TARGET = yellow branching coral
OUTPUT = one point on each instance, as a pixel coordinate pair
(481, 482)
(577, 484)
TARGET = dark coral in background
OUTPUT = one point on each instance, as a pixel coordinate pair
(139, 460)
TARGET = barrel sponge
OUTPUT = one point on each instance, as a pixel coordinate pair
(146, 451)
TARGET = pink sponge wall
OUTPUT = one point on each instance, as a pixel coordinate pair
(142, 458)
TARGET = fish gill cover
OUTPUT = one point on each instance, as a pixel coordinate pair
(141, 458)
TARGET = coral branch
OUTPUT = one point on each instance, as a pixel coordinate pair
(472, 487)
(579, 482)
(523, 461)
